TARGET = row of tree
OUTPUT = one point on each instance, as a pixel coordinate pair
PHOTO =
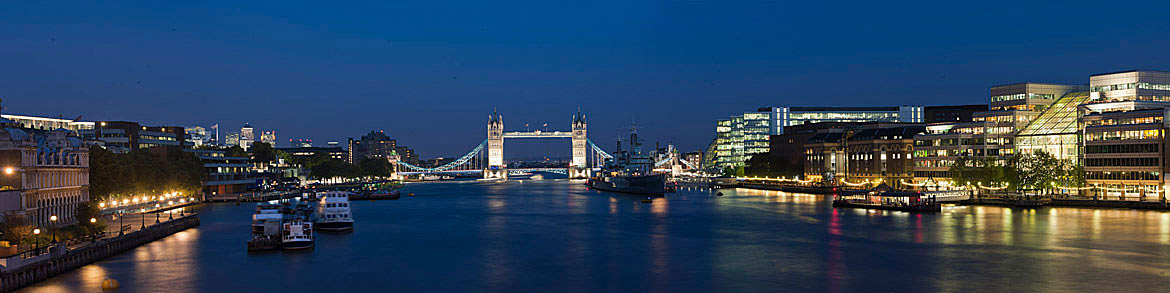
(771, 165)
(148, 172)
(1021, 172)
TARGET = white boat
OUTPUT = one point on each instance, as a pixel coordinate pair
(333, 212)
(297, 234)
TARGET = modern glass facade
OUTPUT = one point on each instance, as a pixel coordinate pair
(790, 116)
(1055, 131)
(741, 136)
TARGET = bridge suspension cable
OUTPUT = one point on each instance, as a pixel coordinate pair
(470, 156)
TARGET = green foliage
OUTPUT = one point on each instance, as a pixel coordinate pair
(974, 170)
(236, 151)
(1033, 171)
(263, 152)
(144, 172)
(773, 165)
(728, 171)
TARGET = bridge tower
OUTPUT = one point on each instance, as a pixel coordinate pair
(579, 167)
(495, 148)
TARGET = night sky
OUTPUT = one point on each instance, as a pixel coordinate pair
(428, 73)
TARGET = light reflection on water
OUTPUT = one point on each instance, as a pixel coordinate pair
(556, 235)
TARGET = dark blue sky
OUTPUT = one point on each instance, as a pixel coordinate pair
(428, 73)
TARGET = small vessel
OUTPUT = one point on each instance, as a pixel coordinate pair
(265, 213)
(629, 171)
(333, 213)
(887, 199)
(297, 234)
(266, 225)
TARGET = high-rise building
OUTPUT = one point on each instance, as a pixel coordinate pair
(375, 144)
(231, 139)
(268, 137)
(247, 136)
(952, 113)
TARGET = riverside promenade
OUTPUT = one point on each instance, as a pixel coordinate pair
(25, 268)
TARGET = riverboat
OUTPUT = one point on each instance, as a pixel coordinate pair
(906, 201)
(333, 212)
(296, 235)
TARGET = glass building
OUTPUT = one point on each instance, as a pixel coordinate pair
(742, 136)
(1055, 131)
(790, 116)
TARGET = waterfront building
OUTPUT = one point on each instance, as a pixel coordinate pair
(43, 173)
(125, 136)
(791, 144)
(225, 175)
(856, 154)
(742, 136)
(268, 137)
(247, 136)
(1124, 125)
(1003, 131)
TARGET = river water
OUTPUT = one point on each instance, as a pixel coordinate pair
(557, 236)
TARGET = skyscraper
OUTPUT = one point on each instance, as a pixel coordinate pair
(247, 136)
(268, 137)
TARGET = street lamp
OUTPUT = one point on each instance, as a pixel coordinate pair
(53, 220)
(36, 239)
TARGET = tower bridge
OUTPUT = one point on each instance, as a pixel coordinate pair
(488, 157)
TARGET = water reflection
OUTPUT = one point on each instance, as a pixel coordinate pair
(525, 237)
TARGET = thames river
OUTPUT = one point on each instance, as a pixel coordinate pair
(552, 236)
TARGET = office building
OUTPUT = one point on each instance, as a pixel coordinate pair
(268, 137)
(231, 139)
(225, 175)
(375, 144)
(742, 136)
(125, 136)
(247, 136)
(1003, 131)
(1124, 125)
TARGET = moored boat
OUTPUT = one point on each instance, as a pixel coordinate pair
(907, 201)
(629, 172)
(333, 211)
(297, 234)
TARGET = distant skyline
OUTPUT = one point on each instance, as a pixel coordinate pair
(429, 73)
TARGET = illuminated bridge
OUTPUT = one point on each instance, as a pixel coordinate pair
(487, 158)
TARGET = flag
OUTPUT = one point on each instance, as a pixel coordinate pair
(216, 126)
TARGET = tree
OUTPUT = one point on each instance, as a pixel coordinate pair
(1033, 171)
(236, 151)
(968, 170)
(263, 153)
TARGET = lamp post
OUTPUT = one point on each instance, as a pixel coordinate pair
(93, 227)
(53, 225)
(121, 215)
(37, 239)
